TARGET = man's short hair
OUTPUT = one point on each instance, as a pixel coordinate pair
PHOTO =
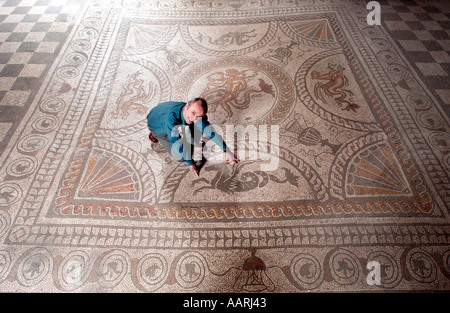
(203, 102)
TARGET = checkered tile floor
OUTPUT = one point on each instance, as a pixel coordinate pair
(32, 33)
(422, 31)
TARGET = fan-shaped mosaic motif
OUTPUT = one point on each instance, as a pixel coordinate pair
(109, 176)
(142, 38)
(375, 171)
(318, 30)
(142, 35)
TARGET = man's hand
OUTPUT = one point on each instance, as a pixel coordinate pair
(193, 168)
(230, 157)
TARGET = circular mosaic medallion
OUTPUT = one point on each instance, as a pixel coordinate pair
(446, 261)
(381, 44)
(74, 270)
(389, 269)
(430, 121)
(22, 167)
(419, 102)
(440, 140)
(67, 72)
(421, 266)
(81, 45)
(5, 263)
(45, 124)
(88, 33)
(32, 143)
(446, 161)
(239, 91)
(307, 271)
(113, 268)
(152, 271)
(387, 56)
(344, 267)
(77, 58)
(34, 267)
(52, 105)
(9, 193)
(92, 22)
(190, 270)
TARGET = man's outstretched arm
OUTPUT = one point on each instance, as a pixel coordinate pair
(208, 131)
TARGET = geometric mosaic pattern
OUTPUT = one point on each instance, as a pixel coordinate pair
(32, 34)
(420, 30)
(88, 203)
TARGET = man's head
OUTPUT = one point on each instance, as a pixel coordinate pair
(194, 110)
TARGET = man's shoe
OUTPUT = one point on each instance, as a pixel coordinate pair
(152, 138)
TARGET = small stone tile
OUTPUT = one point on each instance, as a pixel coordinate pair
(10, 46)
(7, 27)
(27, 47)
(420, 56)
(32, 70)
(440, 56)
(42, 58)
(47, 47)
(391, 17)
(31, 18)
(423, 17)
(4, 128)
(4, 10)
(24, 27)
(11, 70)
(403, 35)
(26, 83)
(432, 45)
(48, 18)
(58, 27)
(16, 37)
(20, 58)
(408, 17)
(35, 36)
(439, 34)
(444, 94)
(397, 25)
(11, 3)
(41, 27)
(412, 45)
(6, 83)
(415, 25)
(5, 57)
(432, 25)
(430, 69)
(37, 10)
(422, 34)
(15, 98)
(438, 81)
(14, 18)
(21, 10)
(445, 44)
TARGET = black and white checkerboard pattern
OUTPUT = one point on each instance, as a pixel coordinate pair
(422, 31)
(32, 33)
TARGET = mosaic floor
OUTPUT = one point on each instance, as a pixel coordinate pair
(355, 117)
